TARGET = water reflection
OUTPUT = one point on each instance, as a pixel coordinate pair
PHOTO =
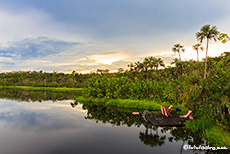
(152, 136)
(152, 139)
(115, 117)
(65, 126)
(37, 95)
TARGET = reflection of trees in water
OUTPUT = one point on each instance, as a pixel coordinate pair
(183, 134)
(152, 136)
(112, 116)
(37, 95)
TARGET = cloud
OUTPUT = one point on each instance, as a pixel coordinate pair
(121, 21)
(50, 54)
(31, 53)
(35, 47)
(19, 21)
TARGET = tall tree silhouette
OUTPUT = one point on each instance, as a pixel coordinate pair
(196, 47)
(207, 32)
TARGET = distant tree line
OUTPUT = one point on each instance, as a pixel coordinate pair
(44, 79)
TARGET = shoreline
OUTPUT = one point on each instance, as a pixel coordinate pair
(125, 103)
(211, 131)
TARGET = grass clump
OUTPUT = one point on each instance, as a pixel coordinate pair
(215, 132)
(140, 104)
(85, 100)
(124, 103)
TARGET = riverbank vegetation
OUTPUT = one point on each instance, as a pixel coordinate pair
(214, 131)
(124, 103)
(201, 86)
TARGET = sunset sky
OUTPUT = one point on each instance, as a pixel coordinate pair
(85, 35)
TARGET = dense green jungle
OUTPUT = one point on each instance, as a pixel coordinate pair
(182, 85)
(176, 85)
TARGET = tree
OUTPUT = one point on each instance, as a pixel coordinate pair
(175, 61)
(197, 47)
(145, 65)
(207, 32)
(152, 62)
(159, 62)
(178, 48)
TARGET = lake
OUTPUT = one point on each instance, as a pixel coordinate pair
(44, 122)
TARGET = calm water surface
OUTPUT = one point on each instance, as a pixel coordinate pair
(33, 123)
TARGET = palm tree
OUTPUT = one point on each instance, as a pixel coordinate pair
(145, 65)
(155, 62)
(197, 47)
(159, 62)
(175, 61)
(178, 48)
(209, 33)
